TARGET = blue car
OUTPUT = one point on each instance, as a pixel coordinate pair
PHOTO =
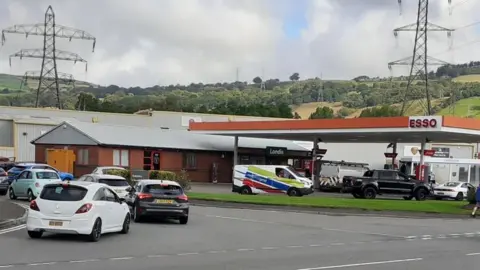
(19, 167)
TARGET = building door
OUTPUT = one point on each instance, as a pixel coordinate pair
(155, 160)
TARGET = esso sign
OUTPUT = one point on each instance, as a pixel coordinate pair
(423, 123)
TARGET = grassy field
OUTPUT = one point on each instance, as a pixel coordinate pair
(464, 108)
(439, 207)
(13, 83)
(304, 110)
(467, 78)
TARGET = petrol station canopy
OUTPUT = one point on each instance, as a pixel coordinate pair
(404, 129)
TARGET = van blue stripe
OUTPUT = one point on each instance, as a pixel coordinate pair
(267, 181)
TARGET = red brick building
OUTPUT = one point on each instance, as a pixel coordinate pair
(203, 156)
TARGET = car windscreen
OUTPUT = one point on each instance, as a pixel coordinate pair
(17, 168)
(163, 189)
(46, 175)
(113, 182)
(68, 193)
(452, 184)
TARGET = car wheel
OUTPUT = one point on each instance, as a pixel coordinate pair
(369, 193)
(183, 220)
(11, 194)
(421, 194)
(34, 234)
(459, 197)
(246, 190)
(96, 231)
(293, 192)
(136, 216)
(126, 224)
(30, 195)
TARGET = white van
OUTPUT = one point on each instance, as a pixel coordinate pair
(260, 179)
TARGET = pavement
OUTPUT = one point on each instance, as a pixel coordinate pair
(10, 212)
(239, 239)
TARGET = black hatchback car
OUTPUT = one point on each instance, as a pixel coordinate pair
(158, 198)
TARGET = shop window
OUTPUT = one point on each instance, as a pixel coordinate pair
(120, 158)
(189, 161)
(82, 157)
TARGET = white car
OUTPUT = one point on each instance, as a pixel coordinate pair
(452, 190)
(83, 208)
(117, 183)
(104, 170)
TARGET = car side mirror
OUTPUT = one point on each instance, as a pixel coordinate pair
(122, 200)
(130, 189)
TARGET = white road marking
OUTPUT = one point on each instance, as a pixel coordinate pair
(362, 264)
(45, 263)
(245, 249)
(269, 248)
(217, 251)
(13, 229)
(426, 236)
(186, 254)
(121, 258)
(294, 246)
(321, 228)
(156, 256)
(315, 245)
(84, 261)
(473, 254)
(6, 266)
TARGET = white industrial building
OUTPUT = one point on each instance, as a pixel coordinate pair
(19, 126)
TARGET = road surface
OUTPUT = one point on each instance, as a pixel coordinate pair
(230, 239)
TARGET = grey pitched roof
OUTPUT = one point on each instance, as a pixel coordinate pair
(175, 139)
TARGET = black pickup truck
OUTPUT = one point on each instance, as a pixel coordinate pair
(393, 182)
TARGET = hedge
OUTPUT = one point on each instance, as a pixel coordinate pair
(182, 177)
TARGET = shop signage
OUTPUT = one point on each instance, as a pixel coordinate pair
(390, 155)
(441, 152)
(423, 123)
(429, 152)
(276, 151)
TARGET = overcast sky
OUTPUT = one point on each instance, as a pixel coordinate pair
(148, 42)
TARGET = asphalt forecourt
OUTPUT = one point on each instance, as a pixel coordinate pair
(218, 239)
(450, 208)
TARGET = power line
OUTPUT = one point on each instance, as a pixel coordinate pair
(48, 78)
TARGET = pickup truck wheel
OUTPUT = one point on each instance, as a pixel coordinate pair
(357, 195)
(369, 193)
(421, 194)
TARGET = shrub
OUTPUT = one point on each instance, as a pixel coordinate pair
(123, 173)
(183, 179)
(162, 175)
(471, 196)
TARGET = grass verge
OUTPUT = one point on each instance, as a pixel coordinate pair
(438, 207)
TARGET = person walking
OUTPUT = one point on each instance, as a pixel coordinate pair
(477, 199)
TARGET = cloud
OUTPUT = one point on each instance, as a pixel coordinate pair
(184, 41)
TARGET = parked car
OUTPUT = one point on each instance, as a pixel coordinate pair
(74, 207)
(158, 198)
(452, 190)
(375, 182)
(4, 183)
(104, 170)
(19, 167)
(118, 184)
(30, 182)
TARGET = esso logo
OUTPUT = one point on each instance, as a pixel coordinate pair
(423, 123)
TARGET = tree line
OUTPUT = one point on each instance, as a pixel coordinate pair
(271, 97)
